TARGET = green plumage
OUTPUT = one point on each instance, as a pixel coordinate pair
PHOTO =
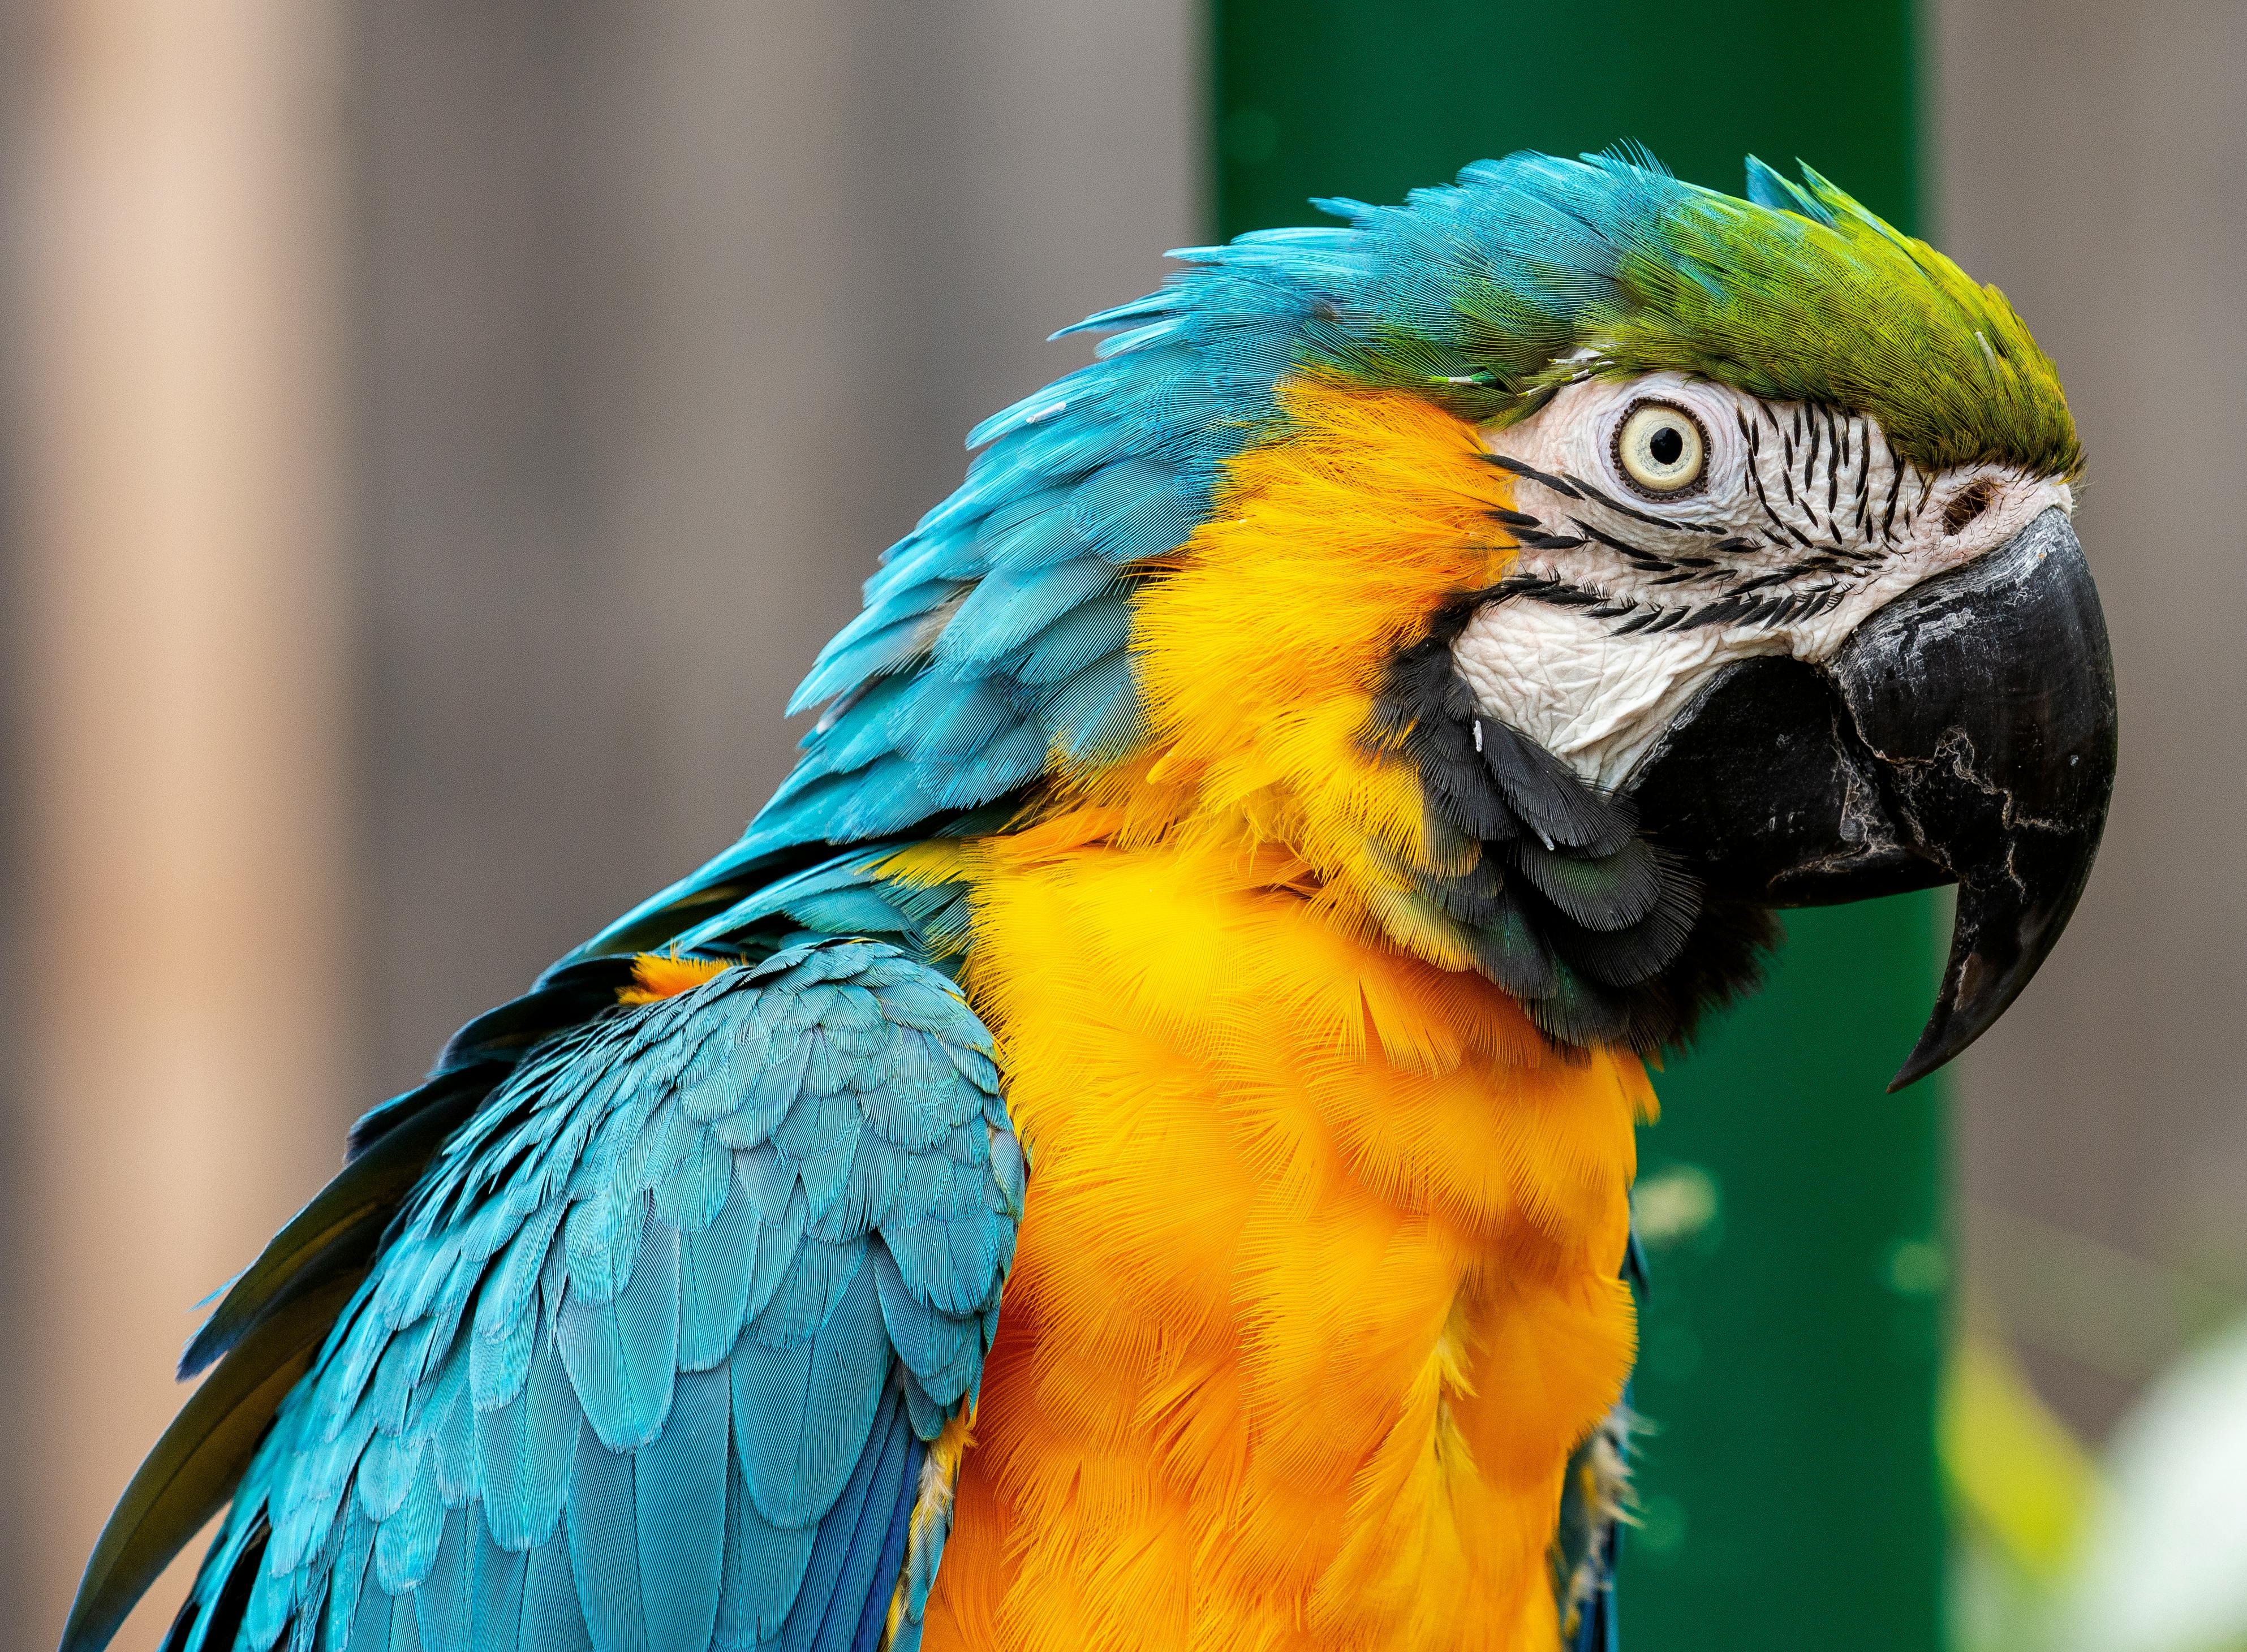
(1612, 268)
(1784, 306)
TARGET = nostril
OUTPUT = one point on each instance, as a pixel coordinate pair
(1967, 503)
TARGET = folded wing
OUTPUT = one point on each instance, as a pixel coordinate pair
(654, 1357)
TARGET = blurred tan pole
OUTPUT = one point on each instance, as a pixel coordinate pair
(177, 655)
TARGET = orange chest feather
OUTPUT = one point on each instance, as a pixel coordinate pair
(1317, 1286)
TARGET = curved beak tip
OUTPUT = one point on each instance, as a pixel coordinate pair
(1967, 1007)
(1933, 1051)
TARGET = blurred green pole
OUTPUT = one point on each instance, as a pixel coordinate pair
(1789, 1352)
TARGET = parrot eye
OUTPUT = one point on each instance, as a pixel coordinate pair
(1661, 448)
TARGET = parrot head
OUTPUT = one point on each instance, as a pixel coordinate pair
(1549, 577)
(1797, 585)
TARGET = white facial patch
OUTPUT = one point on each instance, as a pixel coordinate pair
(1596, 699)
(1625, 600)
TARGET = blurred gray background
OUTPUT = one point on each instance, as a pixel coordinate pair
(2092, 161)
(438, 437)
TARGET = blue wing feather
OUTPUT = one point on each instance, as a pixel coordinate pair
(551, 1619)
(806, 1406)
(762, 1573)
(715, 1266)
(444, 1604)
(622, 1351)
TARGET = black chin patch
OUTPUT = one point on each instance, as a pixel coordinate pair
(1602, 936)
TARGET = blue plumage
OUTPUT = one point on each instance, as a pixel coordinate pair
(637, 1388)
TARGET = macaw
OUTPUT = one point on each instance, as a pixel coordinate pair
(1132, 1147)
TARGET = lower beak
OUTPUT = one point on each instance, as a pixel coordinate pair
(1965, 733)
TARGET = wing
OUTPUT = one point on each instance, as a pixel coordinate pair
(657, 1355)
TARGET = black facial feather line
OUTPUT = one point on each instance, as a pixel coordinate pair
(1565, 905)
(1729, 582)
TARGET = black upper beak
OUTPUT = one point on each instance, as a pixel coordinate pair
(1965, 733)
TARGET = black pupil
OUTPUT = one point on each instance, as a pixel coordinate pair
(1668, 445)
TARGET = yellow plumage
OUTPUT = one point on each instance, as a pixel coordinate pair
(659, 975)
(1317, 1286)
